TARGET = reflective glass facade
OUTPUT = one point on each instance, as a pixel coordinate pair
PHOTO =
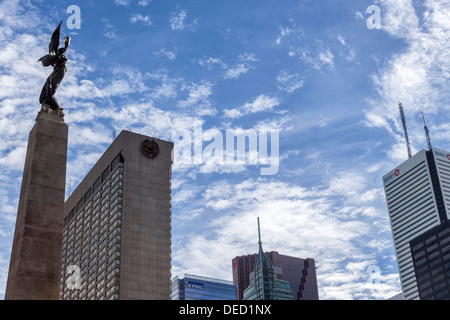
(300, 273)
(266, 280)
(279, 290)
(193, 287)
(431, 257)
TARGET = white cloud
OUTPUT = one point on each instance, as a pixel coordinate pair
(419, 75)
(232, 72)
(327, 58)
(260, 104)
(284, 32)
(399, 18)
(289, 82)
(122, 2)
(248, 57)
(145, 20)
(236, 71)
(198, 98)
(168, 54)
(210, 62)
(317, 60)
(167, 89)
(109, 30)
(359, 15)
(177, 20)
(144, 3)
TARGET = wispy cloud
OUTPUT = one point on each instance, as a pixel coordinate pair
(417, 76)
(169, 54)
(289, 82)
(234, 71)
(145, 20)
(109, 30)
(211, 62)
(284, 32)
(144, 3)
(178, 19)
(261, 103)
(122, 2)
(198, 98)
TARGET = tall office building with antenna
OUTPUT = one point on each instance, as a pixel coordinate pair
(418, 200)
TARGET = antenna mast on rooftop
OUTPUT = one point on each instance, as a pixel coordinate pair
(259, 233)
(408, 145)
(427, 133)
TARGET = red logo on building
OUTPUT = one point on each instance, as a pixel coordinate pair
(448, 156)
(397, 172)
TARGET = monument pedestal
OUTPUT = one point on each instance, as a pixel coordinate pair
(35, 265)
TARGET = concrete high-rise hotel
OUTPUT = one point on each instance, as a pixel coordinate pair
(117, 224)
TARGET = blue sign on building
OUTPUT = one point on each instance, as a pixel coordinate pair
(193, 287)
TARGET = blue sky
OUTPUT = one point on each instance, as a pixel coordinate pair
(311, 70)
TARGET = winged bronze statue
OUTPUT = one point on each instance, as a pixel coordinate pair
(56, 58)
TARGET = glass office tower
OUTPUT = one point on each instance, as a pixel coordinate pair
(266, 281)
(300, 273)
(193, 287)
(431, 258)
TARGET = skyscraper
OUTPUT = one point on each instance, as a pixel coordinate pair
(193, 287)
(266, 281)
(418, 200)
(300, 273)
(117, 238)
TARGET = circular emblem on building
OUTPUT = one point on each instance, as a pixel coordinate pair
(397, 172)
(448, 156)
(150, 148)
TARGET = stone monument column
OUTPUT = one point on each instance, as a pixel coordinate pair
(35, 265)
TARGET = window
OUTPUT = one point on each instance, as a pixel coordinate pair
(418, 246)
(116, 161)
(105, 174)
(87, 195)
(71, 214)
(97, 184)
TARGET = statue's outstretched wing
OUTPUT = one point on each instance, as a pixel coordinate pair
(48, 59)
(54, 43)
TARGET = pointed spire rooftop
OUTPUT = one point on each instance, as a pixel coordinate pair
(262, 259)
(259, 234)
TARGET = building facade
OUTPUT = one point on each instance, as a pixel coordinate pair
(117, 224)
(299, 273)
(193, 287)
(418, 201)
(431, 259)
(266, 281)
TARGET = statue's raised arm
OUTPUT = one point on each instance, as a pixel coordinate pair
(56, 58)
